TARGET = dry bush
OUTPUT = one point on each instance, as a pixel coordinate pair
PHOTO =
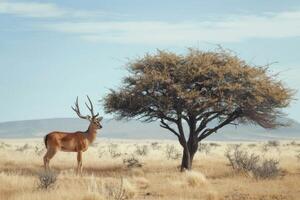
(3, 145)
(47, 180)
(240, 160)
(113, 150)
(132, 162)
(39, 150)
(101, 152)
(273, 143)
(23, 148)
(265, 148)
(155, 145)
(213, 144)
(267, 169)
(204, 148)
(251, 145)
(122, 191)
(172, 152)
(141, 150)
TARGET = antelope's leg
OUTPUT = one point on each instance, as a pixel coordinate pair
(79, 162)
(49, 154)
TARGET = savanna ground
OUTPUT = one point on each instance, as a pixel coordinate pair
(110, 172)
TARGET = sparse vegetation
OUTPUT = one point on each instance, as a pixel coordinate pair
(172, 152)
(3, 145)
(101, 152)
(251, 145)
(113, 150)
(155, 146)
(273, 143)
(204, 148)
(132, 162)
(241, 160)
(122, 191)
(23, 148)
(152, 176)
(142, 150)
(39, 150)
(47, 180)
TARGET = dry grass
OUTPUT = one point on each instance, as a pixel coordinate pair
(106, 177)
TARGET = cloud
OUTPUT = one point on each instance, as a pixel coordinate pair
(31, 9)
(46, 10)
(230, 29)
(233, 28)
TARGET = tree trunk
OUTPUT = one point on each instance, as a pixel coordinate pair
(188, 154)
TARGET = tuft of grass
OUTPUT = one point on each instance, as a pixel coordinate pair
(195, 179)
(124, 190)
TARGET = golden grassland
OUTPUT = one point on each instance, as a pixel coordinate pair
(105, 176)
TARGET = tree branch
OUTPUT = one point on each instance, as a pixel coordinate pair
(166, 126)
(209, 131)
(205, 121)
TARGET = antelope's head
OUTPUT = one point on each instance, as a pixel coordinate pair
(94, 120)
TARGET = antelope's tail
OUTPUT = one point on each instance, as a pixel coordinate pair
(45, 140)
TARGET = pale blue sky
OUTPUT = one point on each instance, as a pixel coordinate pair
(53, 51)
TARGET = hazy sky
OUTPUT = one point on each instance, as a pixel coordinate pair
(53, 51)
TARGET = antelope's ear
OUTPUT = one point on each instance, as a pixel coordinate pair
(100, 118)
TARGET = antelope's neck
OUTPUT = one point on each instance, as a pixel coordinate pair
(91, 133)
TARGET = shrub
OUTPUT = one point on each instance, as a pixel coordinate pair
(265, 148)
(125, 190)
(113, 150)
(47, 180)
(101, 152)
(132, 162)
(260, 168)
(142, 150)
(172, 152)
(251, 145)
(268, 169)
(3, 145)
(241, 160)
(38, 150)
(155, 146)
(273, 143)
(204, 148)
(23, 148)
(213, 144)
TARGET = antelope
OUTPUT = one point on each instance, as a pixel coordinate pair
(78, 141)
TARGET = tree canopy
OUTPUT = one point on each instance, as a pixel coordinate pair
(199, 87)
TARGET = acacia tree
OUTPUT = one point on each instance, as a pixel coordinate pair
(196, 89)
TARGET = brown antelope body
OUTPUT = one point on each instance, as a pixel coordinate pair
(73, 142)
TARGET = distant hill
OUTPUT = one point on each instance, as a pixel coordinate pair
(137, 130)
